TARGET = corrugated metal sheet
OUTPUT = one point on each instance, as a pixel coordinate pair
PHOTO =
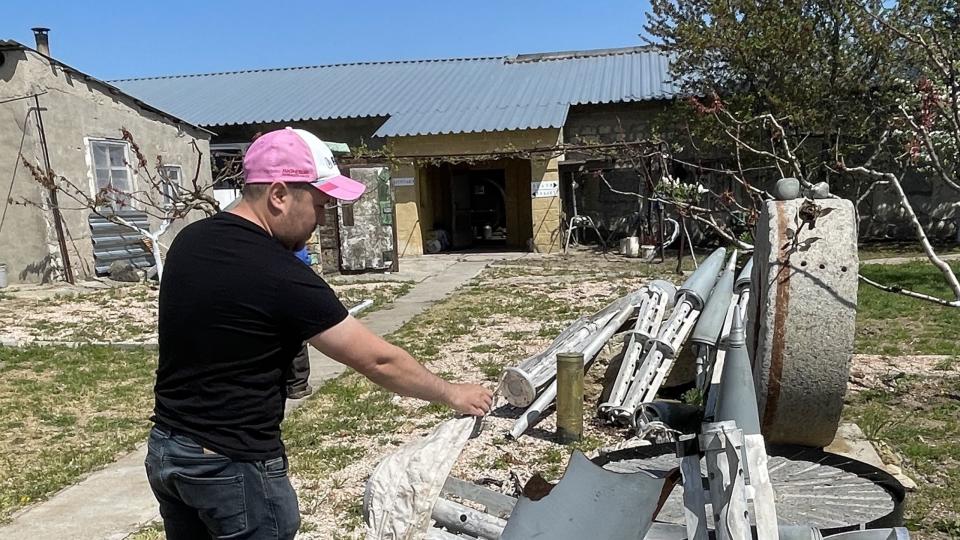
(418, 97)
(112, 242)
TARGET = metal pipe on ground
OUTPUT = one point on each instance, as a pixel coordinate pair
(519, 384)
(463, 519)
(533, 413)
(362, 306)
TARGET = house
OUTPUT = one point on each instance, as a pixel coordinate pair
(59, 118)
(468, 146)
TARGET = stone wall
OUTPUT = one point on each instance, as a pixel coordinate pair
(610, 122)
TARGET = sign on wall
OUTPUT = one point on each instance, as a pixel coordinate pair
(405, 181)
(545, 188)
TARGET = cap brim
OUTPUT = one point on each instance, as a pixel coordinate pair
(340, 187)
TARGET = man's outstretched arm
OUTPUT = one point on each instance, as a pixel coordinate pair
(352, 344)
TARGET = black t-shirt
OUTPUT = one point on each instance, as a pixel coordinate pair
(235, 308)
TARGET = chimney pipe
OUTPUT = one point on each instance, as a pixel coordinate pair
(43, 40)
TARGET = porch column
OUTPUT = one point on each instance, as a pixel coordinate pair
(545, 203)
(406, 191)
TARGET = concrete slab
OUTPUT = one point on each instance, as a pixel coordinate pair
(115, 501)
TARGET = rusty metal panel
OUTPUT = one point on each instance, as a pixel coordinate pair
(367, 239)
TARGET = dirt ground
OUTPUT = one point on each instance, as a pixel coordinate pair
(511, 311)
(488, 325)
(111, 312)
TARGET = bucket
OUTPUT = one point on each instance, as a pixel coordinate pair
(3, 275)
(630, 246)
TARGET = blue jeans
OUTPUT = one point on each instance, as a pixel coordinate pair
(207, 495)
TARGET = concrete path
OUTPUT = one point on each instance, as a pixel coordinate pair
(116, 501)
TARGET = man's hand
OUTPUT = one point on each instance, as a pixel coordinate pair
(352, 344)
(472, 399)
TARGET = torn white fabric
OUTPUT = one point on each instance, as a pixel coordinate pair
(404, 487)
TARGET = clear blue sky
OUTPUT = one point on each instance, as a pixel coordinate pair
(135, 38)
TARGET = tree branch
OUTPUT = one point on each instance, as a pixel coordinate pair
(944, 268)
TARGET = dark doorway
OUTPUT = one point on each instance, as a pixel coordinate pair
(479, 208)
(483, 206)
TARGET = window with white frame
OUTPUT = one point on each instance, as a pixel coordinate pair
(170, 183)
(112, 173)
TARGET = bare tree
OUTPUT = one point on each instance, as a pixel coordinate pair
(159, 195)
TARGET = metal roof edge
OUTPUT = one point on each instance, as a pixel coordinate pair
(316, 66)
(111, 89)
(586, 53)
(508, 59)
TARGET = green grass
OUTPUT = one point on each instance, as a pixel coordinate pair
(918, 418)
(894, 324)
(151, 531)
(65, 412)
(888, 250)
(325, 435)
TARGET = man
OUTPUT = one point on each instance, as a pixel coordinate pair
(235, 307)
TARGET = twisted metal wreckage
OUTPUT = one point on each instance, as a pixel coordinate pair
(771, 348)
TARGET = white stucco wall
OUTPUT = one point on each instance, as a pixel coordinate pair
(75, 109)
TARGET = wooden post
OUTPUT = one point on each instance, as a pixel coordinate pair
(569, 397)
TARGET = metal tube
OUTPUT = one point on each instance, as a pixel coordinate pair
(520, 383)
(703, 365)
(569, 397)
(459, 518)
(535, 410)
(360, 307)
(628, 368)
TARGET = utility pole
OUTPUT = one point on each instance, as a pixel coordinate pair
(52, 191)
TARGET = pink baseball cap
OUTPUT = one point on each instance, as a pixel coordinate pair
(295, 155)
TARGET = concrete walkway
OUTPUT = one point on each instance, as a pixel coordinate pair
(116, 501)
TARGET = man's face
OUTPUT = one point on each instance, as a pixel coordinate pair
(296, 210)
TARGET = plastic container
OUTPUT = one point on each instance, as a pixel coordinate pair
(630, 247)
(3, 275)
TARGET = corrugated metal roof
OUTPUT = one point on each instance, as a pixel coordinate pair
(418, 97)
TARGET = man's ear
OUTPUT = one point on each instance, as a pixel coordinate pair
(278, 195)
